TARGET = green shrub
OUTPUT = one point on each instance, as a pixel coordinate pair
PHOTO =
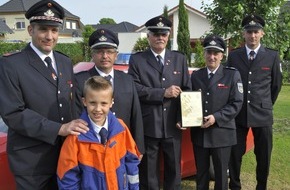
(76, 51)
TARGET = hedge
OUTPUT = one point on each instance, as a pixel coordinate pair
(76, 51)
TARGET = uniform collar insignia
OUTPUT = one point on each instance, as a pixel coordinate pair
(49, 13)
(103, 38)
(212, 43)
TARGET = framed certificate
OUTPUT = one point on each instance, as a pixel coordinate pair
(191, 109)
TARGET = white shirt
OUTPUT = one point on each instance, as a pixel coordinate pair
(162, 54)
(43, 56)
(97, 128)
(105, 74)
(213, 72)
(255, 50)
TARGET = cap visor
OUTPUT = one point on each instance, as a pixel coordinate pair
(48, 23)
(253, 28)
(214, 48)
(159, 31)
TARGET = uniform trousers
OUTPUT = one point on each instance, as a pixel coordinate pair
(149, 168)
(220, 159)
(36, 182)
(263, 140)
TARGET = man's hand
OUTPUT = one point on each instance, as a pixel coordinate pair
(208, 121)
(140, 157)
(179, 126)
(75, 127)
(172, 92)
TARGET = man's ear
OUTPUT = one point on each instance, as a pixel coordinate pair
(84, 101)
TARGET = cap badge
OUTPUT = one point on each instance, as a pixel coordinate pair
(103, 38)
(160, 24)
(252, 23)
(213, 43)
(49, 13)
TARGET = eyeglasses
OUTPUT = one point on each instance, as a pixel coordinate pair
(105, 51)
(160, 34)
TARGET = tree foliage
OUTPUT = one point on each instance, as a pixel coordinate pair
(199, 60)
(226, 17)
(88, 30)
(183, 36)
(165, 14)
(107, 21)
(141, 44)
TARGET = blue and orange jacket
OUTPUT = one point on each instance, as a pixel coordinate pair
(85, 163)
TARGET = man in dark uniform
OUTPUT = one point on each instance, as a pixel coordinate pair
(222, 99)
(126, 106)
(261, 74)
(160, 76)
(36, 101)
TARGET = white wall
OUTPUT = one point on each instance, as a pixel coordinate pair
(127, 40)
(198, 26)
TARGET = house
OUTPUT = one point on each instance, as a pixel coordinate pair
(198, 25)
(126, 33)
(4, 29)
(13, 12)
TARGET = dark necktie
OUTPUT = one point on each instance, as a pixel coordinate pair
(108, 78)
(252, 56)
(104, 135)
(210, 76)
(159, 59)
(49, 66)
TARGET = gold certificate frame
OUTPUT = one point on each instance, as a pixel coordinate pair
(191, 109)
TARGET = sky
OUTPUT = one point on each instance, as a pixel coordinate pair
(134, 11)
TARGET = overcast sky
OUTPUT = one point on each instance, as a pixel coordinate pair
(134, 11)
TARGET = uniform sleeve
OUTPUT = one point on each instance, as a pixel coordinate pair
(235, 102)
(136, 122)
(131, 161)
(186, 85)
(16, 113)
(147, 94)
(68, 172)
(276, 78)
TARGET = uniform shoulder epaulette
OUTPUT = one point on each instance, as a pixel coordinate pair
(178, 52)
(61, 53)
(237, 48)
(231, 68)
(137, 52)
(11, 53)
(271, 49)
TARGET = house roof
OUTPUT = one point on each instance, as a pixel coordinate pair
(23, 5)
(174, 9)
(4, 28)
(117, 28)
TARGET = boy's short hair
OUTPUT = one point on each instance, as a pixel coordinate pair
(97, 83)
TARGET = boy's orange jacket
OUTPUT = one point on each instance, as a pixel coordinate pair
(85, 163)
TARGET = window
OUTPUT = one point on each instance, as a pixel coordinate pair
(74, 25)
(67, 25)
(20, 23)
(70, 25)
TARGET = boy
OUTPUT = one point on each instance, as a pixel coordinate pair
(88, 161)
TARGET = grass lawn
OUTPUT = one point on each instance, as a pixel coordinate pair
(279, 178)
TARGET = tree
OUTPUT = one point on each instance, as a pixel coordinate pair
(88, 30)
(107, 21)
(165, 14)
(226, 17)
(183, 36)
(141, 44)
(199, 60)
